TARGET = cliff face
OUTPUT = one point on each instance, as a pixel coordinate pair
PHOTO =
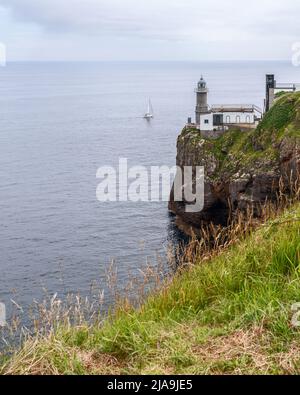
(242, 169)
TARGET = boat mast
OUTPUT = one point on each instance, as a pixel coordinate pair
(150, 108)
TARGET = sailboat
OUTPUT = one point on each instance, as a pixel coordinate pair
(149, 113)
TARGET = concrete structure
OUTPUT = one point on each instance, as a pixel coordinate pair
(270, 91)
(273, 88)
(221, 117)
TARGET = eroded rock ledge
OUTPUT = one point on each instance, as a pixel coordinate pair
(242, 169)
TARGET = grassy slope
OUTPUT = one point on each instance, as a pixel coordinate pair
(231, 314)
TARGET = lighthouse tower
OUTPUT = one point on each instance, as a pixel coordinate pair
(201, 107)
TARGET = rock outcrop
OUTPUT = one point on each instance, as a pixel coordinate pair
(242, 169)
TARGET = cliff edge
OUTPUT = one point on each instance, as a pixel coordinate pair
(242, 169)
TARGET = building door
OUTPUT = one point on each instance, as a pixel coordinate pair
(218, 119)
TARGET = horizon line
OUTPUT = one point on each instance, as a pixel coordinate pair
(143, 61)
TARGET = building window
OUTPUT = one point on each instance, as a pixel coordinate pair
(228, 119)
(238, 119)
(248, 119)
(206, 121)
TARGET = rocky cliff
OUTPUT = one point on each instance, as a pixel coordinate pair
(242, 169)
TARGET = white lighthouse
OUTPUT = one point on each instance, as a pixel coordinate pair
(220, 117)
(201, 106)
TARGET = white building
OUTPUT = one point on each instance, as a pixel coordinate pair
(221, 117)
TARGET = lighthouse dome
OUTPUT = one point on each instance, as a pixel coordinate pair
(202, 83)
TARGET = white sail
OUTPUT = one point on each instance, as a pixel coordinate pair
(149, 113)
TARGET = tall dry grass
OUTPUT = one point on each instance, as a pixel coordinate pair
(52, 314)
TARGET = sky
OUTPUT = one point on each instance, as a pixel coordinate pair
(112, 30)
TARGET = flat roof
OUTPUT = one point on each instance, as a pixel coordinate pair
(233, 108)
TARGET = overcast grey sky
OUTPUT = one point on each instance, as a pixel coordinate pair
(149, 30)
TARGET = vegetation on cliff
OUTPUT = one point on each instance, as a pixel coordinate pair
(243, 169)
(256, 151)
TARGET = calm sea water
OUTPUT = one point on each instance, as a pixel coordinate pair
(59, 122)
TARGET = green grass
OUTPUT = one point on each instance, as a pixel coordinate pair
(280, 94)
(282, 113)
(230, 314)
